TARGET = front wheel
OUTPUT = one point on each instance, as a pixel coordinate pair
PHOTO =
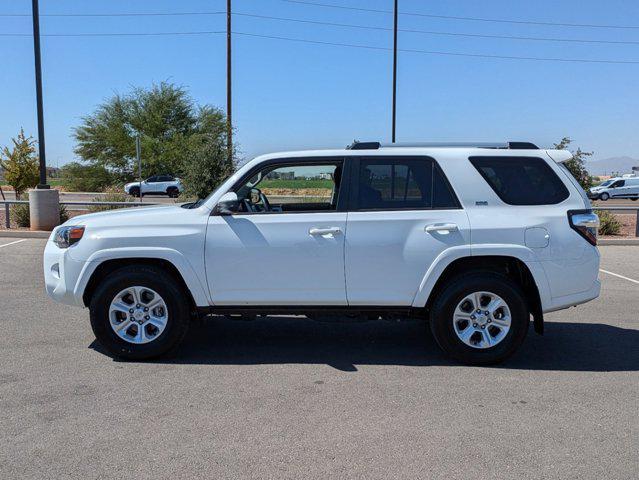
(139, 312)
(480, 319)
(604, 196)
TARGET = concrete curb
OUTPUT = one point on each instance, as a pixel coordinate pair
(24, 234)
(602, 242)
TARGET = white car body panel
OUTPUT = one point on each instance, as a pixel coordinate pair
(274, 260)
(381, 258)
(389, 252)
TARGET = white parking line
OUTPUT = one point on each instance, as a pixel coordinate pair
(13, 243)
(620, 276)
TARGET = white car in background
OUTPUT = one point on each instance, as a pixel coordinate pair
(155, 185)
(618, 187)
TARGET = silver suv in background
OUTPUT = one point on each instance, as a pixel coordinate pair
(155, 185)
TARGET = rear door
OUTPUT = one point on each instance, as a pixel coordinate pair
(402, 215)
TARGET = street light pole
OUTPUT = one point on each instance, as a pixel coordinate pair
(394, 70)
(229, 123)
(38, 78)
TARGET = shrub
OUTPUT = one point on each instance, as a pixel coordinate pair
(76, 177)
(112, 195)
(608, 223)
(20, 214)
(22, 217)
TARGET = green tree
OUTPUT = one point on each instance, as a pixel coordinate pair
(576, 164)
(176, 136)
(77, 177)
(20, 164)
(207, 164)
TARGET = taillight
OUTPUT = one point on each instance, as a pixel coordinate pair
(585, 223)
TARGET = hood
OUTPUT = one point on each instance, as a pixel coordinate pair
(123, 216)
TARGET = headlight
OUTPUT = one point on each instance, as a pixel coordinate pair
(66, 236)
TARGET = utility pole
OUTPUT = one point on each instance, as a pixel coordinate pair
(394, 71)
(38, 74)
(229, 123)
(138, 154)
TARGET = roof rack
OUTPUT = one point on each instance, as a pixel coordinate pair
(356, 145)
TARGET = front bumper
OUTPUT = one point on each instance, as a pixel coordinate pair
(61, 274)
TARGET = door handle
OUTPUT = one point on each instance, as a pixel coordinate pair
(324, 231)
(441, 227)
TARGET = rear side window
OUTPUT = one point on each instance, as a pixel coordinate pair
(401, 183)
(521, 180)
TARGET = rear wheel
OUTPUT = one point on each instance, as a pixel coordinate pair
(480, 318)
(604, 196)
(173, 192)
(139, 312)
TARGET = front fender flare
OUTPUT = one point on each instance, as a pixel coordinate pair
(179, 261)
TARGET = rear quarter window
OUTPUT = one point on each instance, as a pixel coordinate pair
(521, 180)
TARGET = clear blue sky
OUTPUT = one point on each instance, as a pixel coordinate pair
(290, 95)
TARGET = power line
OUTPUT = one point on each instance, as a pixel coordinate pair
(430, 32)
(113, 34)
(337, 44)
(140, 14)
(434, 52)
(474, 19)
(347, 25)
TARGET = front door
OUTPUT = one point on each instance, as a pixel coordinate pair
(288, 250)
(403, 216)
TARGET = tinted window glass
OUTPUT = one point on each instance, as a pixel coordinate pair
(521, 180)
(618, 183)
(152, 179)
(402, 183)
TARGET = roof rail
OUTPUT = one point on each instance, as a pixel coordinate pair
(499, 145)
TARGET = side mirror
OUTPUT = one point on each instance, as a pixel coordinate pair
(228, 204)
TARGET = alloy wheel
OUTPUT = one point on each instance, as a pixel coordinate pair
(138, 315)
(482, 320)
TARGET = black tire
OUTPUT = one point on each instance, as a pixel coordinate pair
(441, 323)
(634, 199)
(134, 191)
(173, 192)
(604, 196)
(177, 304)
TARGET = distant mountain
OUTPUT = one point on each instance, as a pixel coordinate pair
(613, 164)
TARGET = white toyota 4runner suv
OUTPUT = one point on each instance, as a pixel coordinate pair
(475, 239)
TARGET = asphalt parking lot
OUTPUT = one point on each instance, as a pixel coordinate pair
(291, 398)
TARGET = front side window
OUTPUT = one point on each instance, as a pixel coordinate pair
(618, 183)
(291, 188)
(521, 180)
(401, 184)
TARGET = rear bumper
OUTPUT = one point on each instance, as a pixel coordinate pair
(559, 303)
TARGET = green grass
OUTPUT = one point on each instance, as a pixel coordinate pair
(296, 184)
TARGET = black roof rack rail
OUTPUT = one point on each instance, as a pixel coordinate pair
(497, 145)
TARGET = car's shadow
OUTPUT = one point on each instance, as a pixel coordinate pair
(592, 347)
